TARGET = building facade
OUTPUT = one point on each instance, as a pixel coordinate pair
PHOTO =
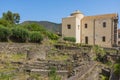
(93, 30)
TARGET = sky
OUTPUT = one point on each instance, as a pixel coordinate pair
(55, 10)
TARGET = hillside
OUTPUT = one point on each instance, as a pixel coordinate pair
(54, 27)
(31, 61)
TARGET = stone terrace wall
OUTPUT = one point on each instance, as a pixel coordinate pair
(33, 50)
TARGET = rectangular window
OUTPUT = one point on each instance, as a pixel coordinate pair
(86, 40)
(69, 26)
(85, 25)
(103, 39)
(104, 24)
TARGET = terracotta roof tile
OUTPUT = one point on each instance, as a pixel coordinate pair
(100, 16)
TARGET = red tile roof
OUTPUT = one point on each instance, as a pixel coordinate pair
(100, 16)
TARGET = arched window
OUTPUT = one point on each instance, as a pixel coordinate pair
(104, 24)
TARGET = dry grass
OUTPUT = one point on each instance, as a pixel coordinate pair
(58, 57)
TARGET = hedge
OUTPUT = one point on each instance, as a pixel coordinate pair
(71, 39)
(35, 36)
(19, 34)
(4, 33)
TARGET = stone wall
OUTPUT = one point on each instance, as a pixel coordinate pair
(31, 49)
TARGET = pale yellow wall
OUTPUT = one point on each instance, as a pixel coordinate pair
(95, 31)
(74, 21)
(101, 31)
(75, 27)
(69, 32)
(87, 31)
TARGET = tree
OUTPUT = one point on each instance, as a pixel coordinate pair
(12, 18)
(16, 17)
(4, 22)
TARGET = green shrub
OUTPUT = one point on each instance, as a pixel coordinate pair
(36, 37)
(52, 36)
(4, 33)
(100, 54)
(6, 76)
(99, 50)
(53, 75)
(19, 34)
(104, 77)
(71, 39)
(117, 68)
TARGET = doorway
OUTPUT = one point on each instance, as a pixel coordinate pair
(86, 40)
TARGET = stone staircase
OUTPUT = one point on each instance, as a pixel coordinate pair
(81, 71)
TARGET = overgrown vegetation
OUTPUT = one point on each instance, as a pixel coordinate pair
(10, 65)
(117, 68)
(53, 75)
(6, 68)
(10, 30)
(52, 36)
(4, 33)
(100, 54)
(58, 57)
(71, 39)
(19, 34)
(104, 77)
(6, 76)
(35, 37)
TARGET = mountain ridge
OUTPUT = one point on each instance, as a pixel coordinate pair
(51, 26)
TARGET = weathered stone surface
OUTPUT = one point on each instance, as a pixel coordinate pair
(31, 49)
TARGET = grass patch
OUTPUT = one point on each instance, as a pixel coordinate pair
(104, 77)
(58, 57)
(12, 57)
(6, 76)
(35, 76)
(18, 57)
